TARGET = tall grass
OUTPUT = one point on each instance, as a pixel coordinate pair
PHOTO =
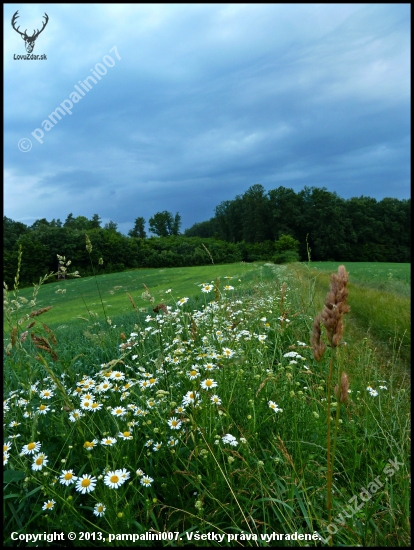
(205, 416)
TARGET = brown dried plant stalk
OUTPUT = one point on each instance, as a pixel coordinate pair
(331, 317)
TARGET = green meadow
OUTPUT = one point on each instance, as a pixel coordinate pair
(197, 409)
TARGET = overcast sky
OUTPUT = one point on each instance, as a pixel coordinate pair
(190, 105)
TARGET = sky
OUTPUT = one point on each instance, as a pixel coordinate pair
(140, 108)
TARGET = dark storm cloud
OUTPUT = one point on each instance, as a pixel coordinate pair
(204, 101)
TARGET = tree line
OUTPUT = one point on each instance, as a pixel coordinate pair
(277, 226)
(359, 229)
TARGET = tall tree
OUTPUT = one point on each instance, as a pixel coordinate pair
(139, 229)
(111, 226)
(164, 224)
(95, 222)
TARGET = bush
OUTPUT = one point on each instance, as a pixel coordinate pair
(287, 257)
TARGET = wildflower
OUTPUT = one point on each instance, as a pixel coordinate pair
(292, 354)
(383, 388)
(193, 374)
(372, 392)
(43, 409)
(157, 446)
(207, 288)
(109, 441)
(172, 442)
(275, 407)
(174, 423)
(49, 505)
(89, 445)
(75, 415)
(210, 366)
(229, 287)
(31, 448)
(86, 404)
(117, 375)
(5, 458)
(180, 410)
(227, 353)
(99, 509)
(190, 397)
(139, 472)
(119, 411)
(113, 480)
(152, 381)
(146, 481)
(125, 435)
(216, 399)
(46, 394)
(149, 443)
(6, 447)
(85, 484)
(208, 384)
(14, 424)
(230, 439)
(182, 301)
(39, 461)
(262, 337)
(67, 477)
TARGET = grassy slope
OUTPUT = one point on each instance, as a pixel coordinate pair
(82, 294)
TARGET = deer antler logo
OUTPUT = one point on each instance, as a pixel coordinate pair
(29, 41)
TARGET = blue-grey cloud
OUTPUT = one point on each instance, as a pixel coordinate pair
(142, 108)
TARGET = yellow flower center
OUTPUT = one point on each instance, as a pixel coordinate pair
(114, 479)
(152, 380)
(209, 383)
(39, 461)
(193, 372)
(49, 505)
(42, 407)
(100, 509)
(68, 476)
(127, 434)
(31, 446)
(86, 482)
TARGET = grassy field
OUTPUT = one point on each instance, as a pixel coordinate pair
(74, 298)
(210, 415)
(380, 302)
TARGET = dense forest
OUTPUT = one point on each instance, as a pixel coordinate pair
(274, 226)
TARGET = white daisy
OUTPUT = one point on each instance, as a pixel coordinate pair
(48, 505)
(31, 448)
(174, 423)
(146, 481)
(39, 461)
(85, 484)
(208, 384)
(113, 480)
(67, 477)
(99, 509)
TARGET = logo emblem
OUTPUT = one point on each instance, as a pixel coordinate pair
(29, 41)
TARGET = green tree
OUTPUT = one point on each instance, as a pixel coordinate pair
(164, 224)
(110, 226)
(139, 229)
(95, 222)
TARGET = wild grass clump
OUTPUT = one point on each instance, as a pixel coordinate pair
(203, 416)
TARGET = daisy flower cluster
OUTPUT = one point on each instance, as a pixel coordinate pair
(142, 405)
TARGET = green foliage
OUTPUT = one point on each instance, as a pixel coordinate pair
(358, 229)
(139, 229)
(164, 224)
